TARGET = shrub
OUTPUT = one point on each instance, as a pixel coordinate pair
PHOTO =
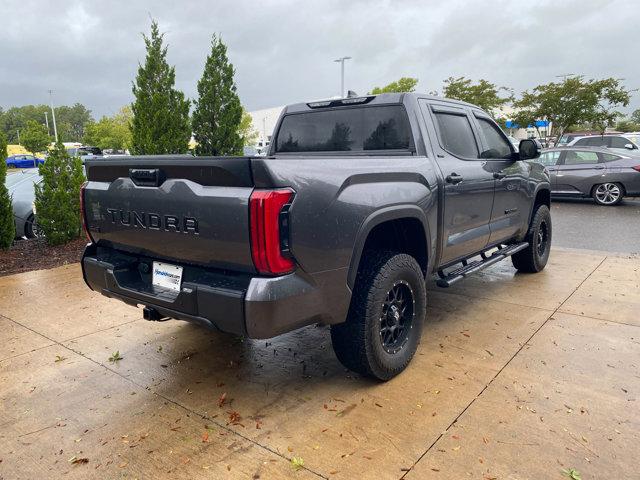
(58, 196)
(7, 224)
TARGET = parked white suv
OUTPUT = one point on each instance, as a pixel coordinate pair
(616, 142)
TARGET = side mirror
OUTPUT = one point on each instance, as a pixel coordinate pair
(529, 149)
(629, 146)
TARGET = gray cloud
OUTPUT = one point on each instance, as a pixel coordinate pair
(283, 50)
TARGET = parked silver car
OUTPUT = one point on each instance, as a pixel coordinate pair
(22, 192)
(606, 176)
(615, 142)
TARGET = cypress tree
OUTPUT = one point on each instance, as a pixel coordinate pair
(58, 196)
(160, 112)
(7, 224)
(218, 112)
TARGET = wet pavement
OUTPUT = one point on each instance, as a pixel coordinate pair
(517, 377)
(584, 224)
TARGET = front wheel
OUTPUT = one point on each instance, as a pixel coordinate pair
(607, 194)
(534, 258)
(384, 323)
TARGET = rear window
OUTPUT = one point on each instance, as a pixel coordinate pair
(618, 142)
(607, 157)
(346, 130)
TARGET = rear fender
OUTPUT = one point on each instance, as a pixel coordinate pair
(379, 217)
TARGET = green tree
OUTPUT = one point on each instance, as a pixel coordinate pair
(525, 115)
(7, 224)
(575, 101)
(160, 112)
(248, 134)
(217, 116)
(404, 84)
(57, 201)
(110, 132)
(627, 125)
(635, 116)
(70, 121)
(35, 137)
(484, 94)
(15, 119)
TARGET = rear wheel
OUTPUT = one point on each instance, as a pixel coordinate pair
(32, 229)
(608, 194)
(534, 258)
(384, 324)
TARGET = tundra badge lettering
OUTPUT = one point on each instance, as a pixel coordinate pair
(153, 221)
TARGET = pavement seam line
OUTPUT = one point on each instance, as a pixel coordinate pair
(564, 312)
(54, 342)
(494, 300)
(203, 417)
(524, 344)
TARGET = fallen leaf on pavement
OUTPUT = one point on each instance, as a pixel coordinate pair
(297, 463)
(572, 473)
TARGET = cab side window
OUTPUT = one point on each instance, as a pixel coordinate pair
(580, 158)
(548, 159)
(455, 134)
(497, 146)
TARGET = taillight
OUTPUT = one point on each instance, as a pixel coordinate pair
(269, 231)
(83, 215)
(636, 168)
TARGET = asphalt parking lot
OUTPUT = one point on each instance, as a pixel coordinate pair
(518, 376)
(585, 225)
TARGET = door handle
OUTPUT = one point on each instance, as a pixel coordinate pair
(499, 175)
(599, 167)
(454, 178)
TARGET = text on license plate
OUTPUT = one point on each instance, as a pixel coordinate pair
(167, 276)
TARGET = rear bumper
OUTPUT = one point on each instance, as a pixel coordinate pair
(257, 307)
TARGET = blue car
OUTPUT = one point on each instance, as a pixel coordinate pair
(23, 161)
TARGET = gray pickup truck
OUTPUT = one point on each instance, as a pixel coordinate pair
(358, 203)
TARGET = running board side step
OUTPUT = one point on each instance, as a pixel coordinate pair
(468, 268)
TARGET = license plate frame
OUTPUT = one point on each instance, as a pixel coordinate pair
(167, 275)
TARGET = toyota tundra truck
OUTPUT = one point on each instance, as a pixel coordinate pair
(358, 204)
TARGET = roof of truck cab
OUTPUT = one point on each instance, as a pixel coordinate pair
(380, 99)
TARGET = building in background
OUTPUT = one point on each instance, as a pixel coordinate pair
(264, 122)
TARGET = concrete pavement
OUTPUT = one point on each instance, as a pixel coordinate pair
(517, 377)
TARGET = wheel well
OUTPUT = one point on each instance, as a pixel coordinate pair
(543, 197)
(405, 235)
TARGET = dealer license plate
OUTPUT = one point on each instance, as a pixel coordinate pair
(167, 275)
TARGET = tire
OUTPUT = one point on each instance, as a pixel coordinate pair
(608, 194)
(31, 228)
(384, 323)
(534, 258)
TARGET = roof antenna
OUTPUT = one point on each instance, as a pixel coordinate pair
(351, 94)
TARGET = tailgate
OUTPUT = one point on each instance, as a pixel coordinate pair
(182, 208)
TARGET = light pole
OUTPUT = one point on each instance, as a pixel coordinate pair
(46, 120)
(341, 61)
(53, 114)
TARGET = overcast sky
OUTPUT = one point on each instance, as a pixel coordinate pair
(283, 51)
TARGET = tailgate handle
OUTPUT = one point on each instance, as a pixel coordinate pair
(146, 177)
